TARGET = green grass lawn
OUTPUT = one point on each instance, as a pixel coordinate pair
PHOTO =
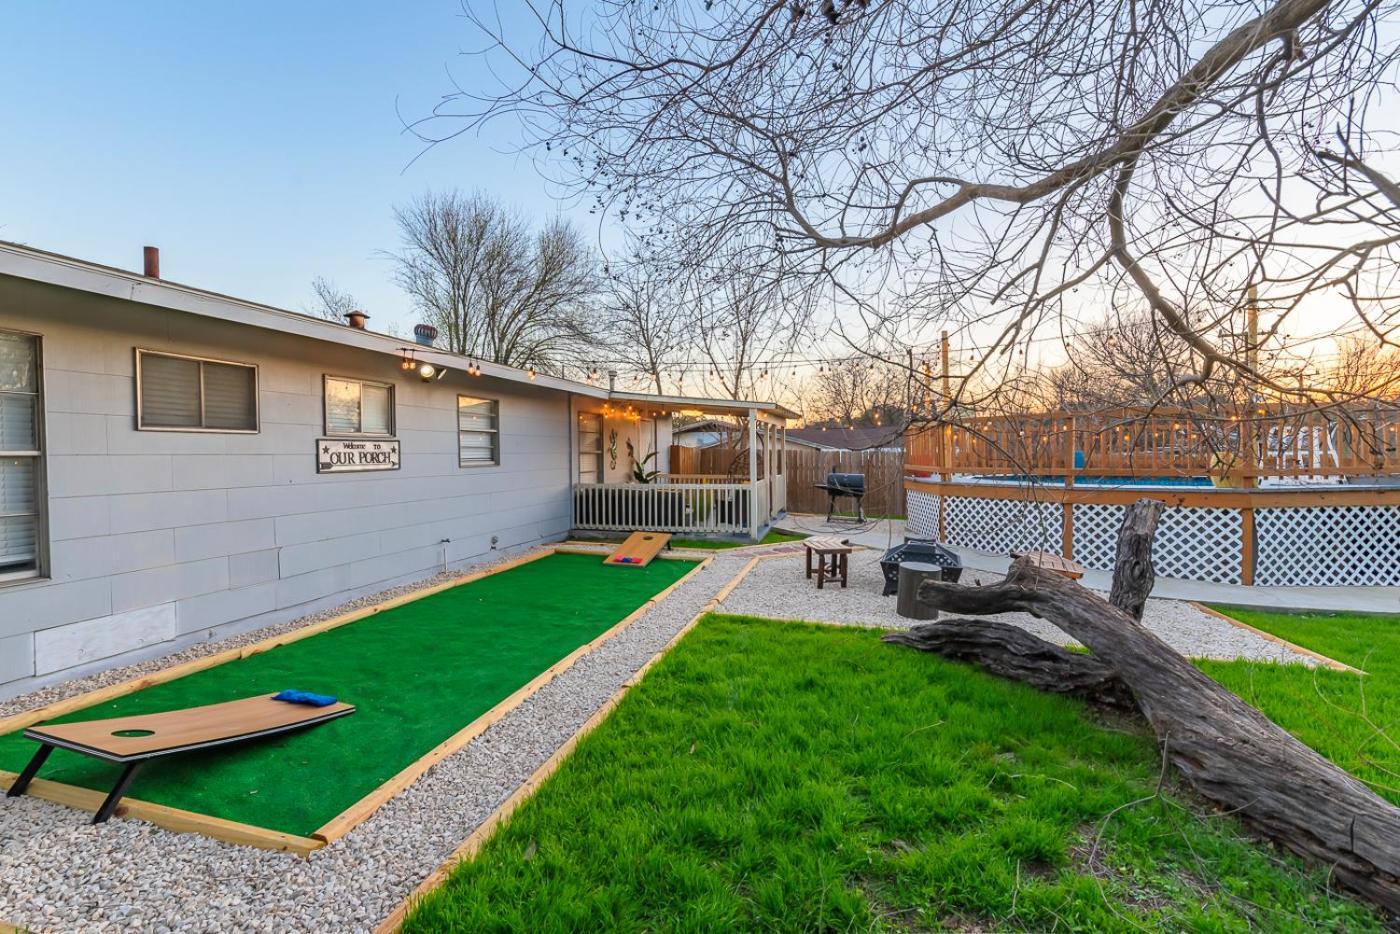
(418, 673)
(1351, 719)
(782, 776)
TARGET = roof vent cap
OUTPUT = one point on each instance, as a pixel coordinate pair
(425, 334)
(356, 319)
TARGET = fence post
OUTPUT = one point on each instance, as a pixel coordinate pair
(1247, 546)
(1067, 507)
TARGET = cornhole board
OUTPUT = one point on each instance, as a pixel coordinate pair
(639, 549)
(133, 741)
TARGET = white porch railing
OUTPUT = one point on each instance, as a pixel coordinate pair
(701, 508)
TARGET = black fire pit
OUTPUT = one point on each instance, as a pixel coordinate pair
(924, 552)
(844, 484)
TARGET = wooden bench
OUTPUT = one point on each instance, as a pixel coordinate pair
(133, 741)
(833, 559)
(1051, 562)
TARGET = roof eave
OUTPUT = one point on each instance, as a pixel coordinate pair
(68, 272)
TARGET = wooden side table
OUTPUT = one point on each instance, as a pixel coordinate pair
(833, 560)
(1045, 560)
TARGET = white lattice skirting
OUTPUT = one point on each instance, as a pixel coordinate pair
(923, 515)
(1294, 546)
(1322, 546)
(1200, 544)
(1001, 526)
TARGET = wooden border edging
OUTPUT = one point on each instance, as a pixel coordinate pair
(360, 811)
(1315, 656)
(176, 819)
(183, 821)
(471, 846)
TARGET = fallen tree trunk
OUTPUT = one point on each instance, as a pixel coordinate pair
(1011, 652)
(1228, 751)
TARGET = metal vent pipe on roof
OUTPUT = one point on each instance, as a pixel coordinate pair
(356, 319)
(151, 266)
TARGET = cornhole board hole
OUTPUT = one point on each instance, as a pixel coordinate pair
(132, 741)
(639, 549)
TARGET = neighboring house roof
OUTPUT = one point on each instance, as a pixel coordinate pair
(847, 439)
(25, 262)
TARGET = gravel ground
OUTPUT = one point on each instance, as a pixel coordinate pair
(59, 873)
(778, 588)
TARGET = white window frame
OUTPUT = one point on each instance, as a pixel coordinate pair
(495, 432)
(602, 447)
(40, 570)
(326, 408)
(257, 395)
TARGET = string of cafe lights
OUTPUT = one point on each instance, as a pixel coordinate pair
(675, 372)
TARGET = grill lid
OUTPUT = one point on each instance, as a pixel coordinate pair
(850, 482)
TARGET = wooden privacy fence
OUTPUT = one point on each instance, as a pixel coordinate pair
(1267, 441)
(804, 469)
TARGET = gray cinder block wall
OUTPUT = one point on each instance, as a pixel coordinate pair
(157, 540)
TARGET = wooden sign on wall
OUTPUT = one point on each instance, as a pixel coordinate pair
(343, 455)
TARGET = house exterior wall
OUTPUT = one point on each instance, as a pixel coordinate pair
(158, 540)
(650, 433)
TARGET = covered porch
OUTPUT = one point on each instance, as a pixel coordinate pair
(630, 477)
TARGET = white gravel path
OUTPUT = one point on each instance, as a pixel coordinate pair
(778, 588)
(58, 873)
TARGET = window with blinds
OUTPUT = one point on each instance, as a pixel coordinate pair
(21, 518)
(357, 407)
(590, 447)
(178, 393)
(478, 431)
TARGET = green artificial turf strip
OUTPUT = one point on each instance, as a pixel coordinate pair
(1353, 720)
(780, 776)
(417, 673)
(774, 537)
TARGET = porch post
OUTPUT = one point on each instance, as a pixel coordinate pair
(753, 474)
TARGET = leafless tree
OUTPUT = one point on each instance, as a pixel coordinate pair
(1364, 368)
(859, 391)
(330, 301)
(494, 289)
(744, 315)
(1005, 167)
(645, 319)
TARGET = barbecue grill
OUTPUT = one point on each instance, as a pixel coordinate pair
(844, 484)
(925, 552)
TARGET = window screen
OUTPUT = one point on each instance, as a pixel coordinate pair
(478, 431)
(196, 395)
(20, 505)
(354, 407)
